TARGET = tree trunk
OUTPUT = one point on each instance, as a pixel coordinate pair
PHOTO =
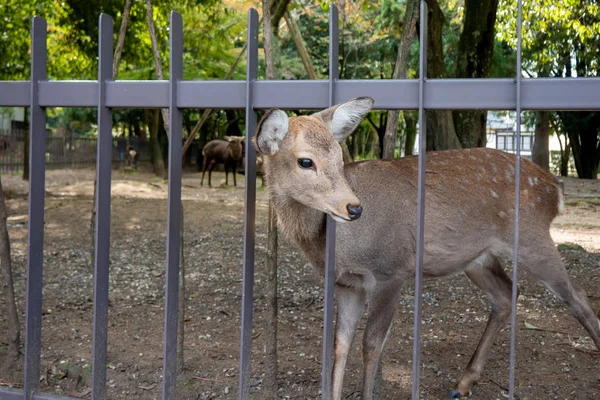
(582, 128)
(441, 134)
(157, 60)
(121, 38)
(156, 154)
(14, 330)
(300, 47)
(411, 132)
(475, 54)
(541, 151)
(400, 72)
(565, 156)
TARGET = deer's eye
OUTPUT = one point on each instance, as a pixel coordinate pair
(305, 163)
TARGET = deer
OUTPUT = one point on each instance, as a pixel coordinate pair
(227, 152)
(469, 225)
(132, 157)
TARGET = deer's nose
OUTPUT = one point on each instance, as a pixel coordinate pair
(354, 212)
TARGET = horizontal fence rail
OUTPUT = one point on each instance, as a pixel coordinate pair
(105, 94)
(455, 94)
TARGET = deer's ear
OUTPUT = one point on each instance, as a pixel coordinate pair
(343, 119)
(271, 129)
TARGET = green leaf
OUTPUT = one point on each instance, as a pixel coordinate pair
(532, 327)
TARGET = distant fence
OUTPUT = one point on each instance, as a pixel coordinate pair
(65, 151)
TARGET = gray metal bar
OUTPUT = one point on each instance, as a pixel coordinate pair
(456, 94)
(328, 313)
(515, 277)
(416, 360)
(35, 230)
(15, 94)
(138, 94)
(11, 394)
(249, 210)
(174, 210)
(102, 234)
(212, 94)
(14, 394)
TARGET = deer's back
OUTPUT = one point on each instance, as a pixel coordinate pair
(216, 149)
(469, 209)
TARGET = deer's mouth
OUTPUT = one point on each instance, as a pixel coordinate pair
(339, 218)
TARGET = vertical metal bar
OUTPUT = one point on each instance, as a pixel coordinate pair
(249, 211)
(416, 372)
(35, 231)
(102, 239)
(328, 312)
(515, 277)
(174, 210)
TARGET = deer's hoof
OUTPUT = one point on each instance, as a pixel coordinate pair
(455, 394)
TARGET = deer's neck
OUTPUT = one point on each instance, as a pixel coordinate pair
(304, 225)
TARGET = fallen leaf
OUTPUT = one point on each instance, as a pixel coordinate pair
(532, 327)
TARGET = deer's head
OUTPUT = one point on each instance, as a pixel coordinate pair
(303, 160)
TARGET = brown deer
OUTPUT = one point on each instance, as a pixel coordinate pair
(469, 218)
(227, 152)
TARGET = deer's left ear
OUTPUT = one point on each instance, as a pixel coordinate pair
(271, 130)
(343, 118)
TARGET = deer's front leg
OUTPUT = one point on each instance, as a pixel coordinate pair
(383, 302)
(351, 304)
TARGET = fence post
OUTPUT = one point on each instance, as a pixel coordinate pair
(174, 210)
(35, 230)
(328, 313)
(416, 370)
(102, 234)
(515, 277)
(249, 210)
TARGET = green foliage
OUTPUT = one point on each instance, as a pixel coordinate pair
(559, 38)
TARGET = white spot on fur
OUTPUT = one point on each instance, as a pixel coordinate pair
(530, 181)
(473, 158)
(494, 179)
(494, 167)
(494, 194)
(502, 214)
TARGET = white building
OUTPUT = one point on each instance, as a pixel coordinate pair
(12, 118)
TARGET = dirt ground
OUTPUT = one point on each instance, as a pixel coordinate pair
(556, 361)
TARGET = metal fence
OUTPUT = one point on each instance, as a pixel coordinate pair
(65, 151)
(251, 94)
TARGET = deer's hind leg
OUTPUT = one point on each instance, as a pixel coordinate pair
(545, 264)
(487, 274)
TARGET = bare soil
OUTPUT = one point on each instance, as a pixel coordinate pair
(556, 361)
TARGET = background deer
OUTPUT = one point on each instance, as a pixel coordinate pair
(468, 227)
(228, 153)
